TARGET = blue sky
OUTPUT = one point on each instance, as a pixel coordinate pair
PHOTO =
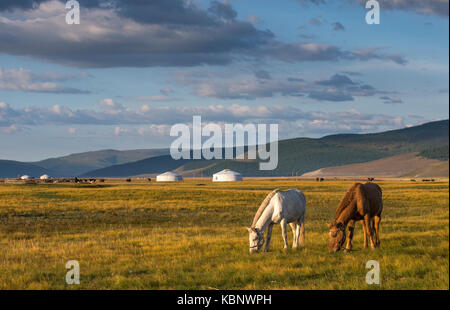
(127, 73)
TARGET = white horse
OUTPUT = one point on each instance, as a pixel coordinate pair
(281, 207)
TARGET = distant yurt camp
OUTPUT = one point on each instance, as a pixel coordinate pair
(227, 175)
(169, 177)
(25, 177)
(44, 177)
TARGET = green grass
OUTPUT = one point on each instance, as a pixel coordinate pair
(193, 236)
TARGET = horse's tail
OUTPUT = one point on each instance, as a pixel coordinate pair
(263, 206)
(301, 239)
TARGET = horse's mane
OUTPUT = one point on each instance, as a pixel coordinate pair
(263, 206)
(348, 198)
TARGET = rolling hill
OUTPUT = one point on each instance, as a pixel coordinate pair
(80, 163)
(13, 169)
(410, 165)
(438, 170)
(296, 156)
(301, 155)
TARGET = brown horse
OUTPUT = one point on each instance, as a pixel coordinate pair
(362, 202)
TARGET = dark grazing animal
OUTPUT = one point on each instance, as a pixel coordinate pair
(362, 202)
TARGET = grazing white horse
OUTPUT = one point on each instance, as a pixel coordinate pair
(283, 207)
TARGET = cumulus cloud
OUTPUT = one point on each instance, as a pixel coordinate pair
(337, 80)
(9, 130)
(149, 33)
(223, 10)
(391, 100)
(111, 37)
(246, 88)
(19, 79)
(377, 52)
(158, 119)
(109, 106)
(337, 88)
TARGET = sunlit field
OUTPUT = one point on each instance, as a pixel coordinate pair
(191, 235)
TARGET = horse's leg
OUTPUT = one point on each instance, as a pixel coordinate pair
(365, 234)
(351, 228)
(301, 231)
(269, 235)
(294, 235)
(377, 220)
(369, 226)
(283, 233)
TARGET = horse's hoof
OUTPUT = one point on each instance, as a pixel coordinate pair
(347, 250)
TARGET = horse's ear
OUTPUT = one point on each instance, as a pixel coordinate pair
(249, 229)
(329, 225)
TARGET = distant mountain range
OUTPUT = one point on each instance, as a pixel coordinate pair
(78, 164)
(12, 169)
(296, 156)
(301, 155)
(75, 164)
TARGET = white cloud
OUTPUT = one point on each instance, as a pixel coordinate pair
(337, 88)
(19, 79)
(109, 37)
(10, 129)
(157, 120)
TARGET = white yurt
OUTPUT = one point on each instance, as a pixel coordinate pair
(25, 177)
(44, 177)
(227, 175)
(169, 177)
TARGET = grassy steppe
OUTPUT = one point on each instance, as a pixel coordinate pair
(191, 236)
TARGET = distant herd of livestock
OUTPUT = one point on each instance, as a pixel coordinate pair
(95, 180)
(60, 180)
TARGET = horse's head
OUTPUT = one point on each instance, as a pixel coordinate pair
(337, 236)
(256, 238)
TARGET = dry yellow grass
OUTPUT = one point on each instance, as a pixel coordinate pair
(191, 235)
